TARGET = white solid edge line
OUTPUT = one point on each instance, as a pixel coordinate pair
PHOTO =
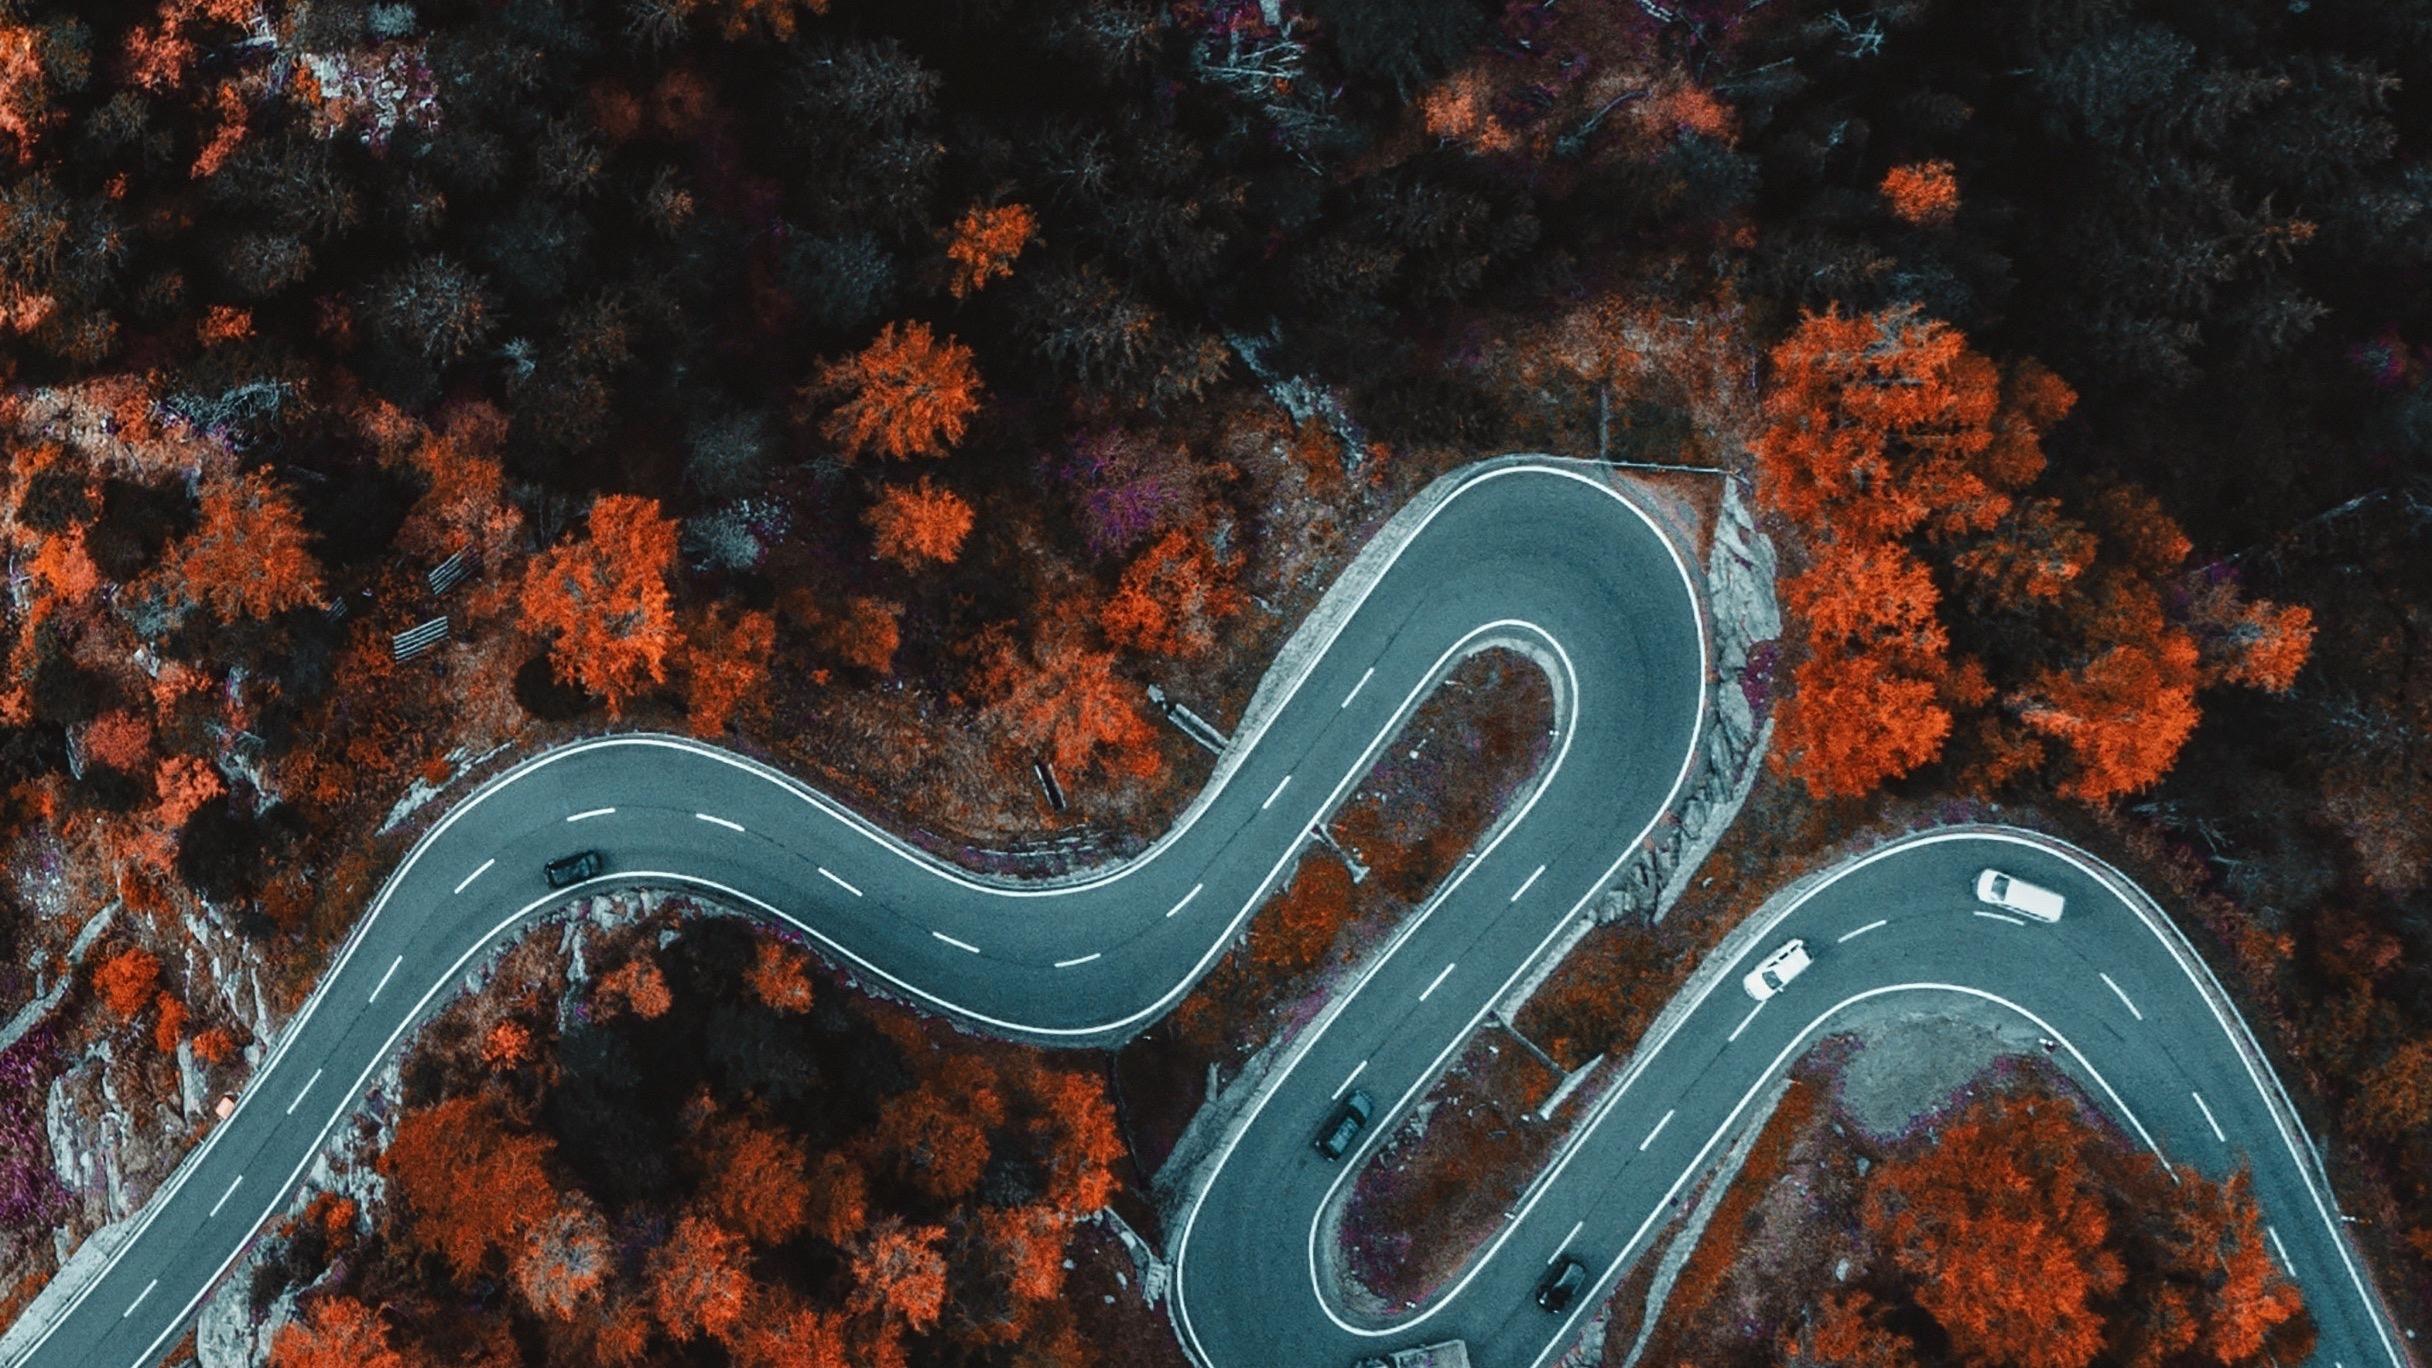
(1525, 885)
(2000, 917)
(836, 879)
(1735, 1031)
(2208, 1118)
(1437, 982)
(1510, 823)
(139, 1299)
(1659, 1129)
(382, 986)
(1080, 959)
(233, 1183)
(2120, 993)
(591, 813)
(1345, 1085)
(1280, 786)
(715, 820)
(1216, 946)
(1186, 899)
(469, 878)
(1764, 1077)
(1847, 936)
(868, 830)
(291, 1107)
(1355, 689)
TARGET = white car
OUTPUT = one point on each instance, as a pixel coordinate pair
(1775, 971)
(2017, 895)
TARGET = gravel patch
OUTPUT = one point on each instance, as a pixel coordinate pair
(1911, 1056)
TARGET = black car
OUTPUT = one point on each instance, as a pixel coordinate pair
(1561, 1283)
(574, 868)
(1344, 1126)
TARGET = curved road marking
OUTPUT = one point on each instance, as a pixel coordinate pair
(1781, 1062)
(2120, 993)
(484, 868)
(1303, 668)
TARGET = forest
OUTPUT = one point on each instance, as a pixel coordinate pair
(834, 378)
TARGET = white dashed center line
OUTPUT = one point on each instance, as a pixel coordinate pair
(1441, 975)
(2285, 1261)
(1526, 884)
(1186, 900)
(469, 878)
(719, 821)
(291, 1107)
(233, 1183)
(840, 883)
(959, 945)
(2000, 916)
(1848, 936)
(1735, 1031)
(139, 1299)
(587, 816)
(1355, 689)
(1659, 1129)
(1080, 959)
(1280, 786)
(2121, 994)
(1566, 1240)
(384, 978)
(2216, 1126)
(1345, 1085)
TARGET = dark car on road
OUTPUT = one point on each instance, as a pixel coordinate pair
(574, 868)
(1561, 1283)
(1345, 1125)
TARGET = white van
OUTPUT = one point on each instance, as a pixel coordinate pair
(2017, 895)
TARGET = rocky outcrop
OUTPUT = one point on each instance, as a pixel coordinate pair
(1744, 621)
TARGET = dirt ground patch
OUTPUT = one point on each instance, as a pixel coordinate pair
(1910, 1063)
(1439, 1185)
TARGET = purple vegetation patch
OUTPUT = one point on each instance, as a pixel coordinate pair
(1756, 682)
(1122, 489)
(29, 1190)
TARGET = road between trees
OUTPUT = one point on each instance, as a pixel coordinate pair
(1547, 555)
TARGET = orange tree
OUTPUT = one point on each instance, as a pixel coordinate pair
(906, 394)
(1907, 458)
(603, 601)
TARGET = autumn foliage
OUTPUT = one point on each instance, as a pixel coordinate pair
(250, 557)
(335, 1331)
(1922, 193)
(1060, 698)
(1912, 457)
(919, 524)
(906, 394)
(1172, 597)
(471, 1183)
(2034, 1239)
(603, 601)
(984, 243)
(126, 980)
(726, 667)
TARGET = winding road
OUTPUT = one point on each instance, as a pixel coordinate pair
(1547, 556)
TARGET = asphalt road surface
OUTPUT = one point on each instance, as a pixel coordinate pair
(1546, 557)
